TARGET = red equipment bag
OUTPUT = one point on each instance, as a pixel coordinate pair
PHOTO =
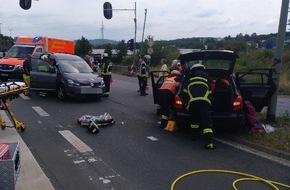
(254, 124)
(4, 151)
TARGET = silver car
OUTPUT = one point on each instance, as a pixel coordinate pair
(70, 77)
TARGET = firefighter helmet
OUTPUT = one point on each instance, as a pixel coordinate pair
(198, 65)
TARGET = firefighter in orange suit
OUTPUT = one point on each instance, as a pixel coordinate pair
(196, 97)
(166, 95)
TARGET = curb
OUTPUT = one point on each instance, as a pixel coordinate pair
(31, 174)
(271, 151)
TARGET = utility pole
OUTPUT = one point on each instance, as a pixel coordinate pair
(276, 68)
(10, 29)
(135, 21)
(143, 31)
(102, 30)
(0, 28)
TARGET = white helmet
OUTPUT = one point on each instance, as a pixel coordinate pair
(175, 72)
(198, 65)
(174, 63)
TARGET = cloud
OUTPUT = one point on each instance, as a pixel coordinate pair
(165, 19)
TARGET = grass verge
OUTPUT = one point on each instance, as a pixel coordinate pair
(279, 139)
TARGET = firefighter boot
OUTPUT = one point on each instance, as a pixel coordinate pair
(42, 94)
(106, 94)
(209, 141)
(194, 129)
(163, 123)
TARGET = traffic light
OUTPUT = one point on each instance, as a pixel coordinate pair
(108, 11)
(25, 4)
(130, 44)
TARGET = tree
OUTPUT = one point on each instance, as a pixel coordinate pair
(5, 43)
(83, 47)
(108, 50)
(162, 50)
(239, 36)
(122, 47)
(122, 51)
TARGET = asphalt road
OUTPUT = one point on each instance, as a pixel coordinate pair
(134, 153)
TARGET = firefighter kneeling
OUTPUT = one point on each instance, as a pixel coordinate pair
(196, 97)
(166, 95)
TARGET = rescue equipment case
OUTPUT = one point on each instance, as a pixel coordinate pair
(10, 168)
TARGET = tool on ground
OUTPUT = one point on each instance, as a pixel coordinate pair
(171, 126)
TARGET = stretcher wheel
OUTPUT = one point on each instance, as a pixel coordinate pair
(2, 127)
(21, 126)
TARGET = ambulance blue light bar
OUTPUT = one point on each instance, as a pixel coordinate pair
(37, 39)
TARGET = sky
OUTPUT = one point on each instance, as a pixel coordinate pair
(165, 19)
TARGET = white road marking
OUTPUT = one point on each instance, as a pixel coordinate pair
(152, 138)
(24, 97)
(79, 161)
(256, 152)
(75, 141)
(40, 111)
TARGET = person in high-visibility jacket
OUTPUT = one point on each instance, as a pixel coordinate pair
(164, 68)
(196, 97)
(166, 95)
(138, 67)
(143, 75)
(106, 73)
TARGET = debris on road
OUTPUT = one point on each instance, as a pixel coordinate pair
(94, 122)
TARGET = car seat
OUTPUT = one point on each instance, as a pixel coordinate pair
(222, 96)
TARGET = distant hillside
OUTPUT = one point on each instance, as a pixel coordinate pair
(98, 42)
(188, 43)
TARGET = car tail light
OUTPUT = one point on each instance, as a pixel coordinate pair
(177, 102)
(238, 103)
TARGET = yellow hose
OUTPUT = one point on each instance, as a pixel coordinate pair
(246, 177)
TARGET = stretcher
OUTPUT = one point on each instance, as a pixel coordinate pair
(8, 93)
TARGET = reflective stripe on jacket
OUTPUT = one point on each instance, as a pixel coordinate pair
(169, 84)
(107, 68)
(143, 70)
(197, 89)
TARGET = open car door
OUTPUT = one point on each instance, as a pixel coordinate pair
(157, 79)
(256, 86)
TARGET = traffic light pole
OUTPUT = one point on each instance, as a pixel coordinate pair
(108, 15)
(271, 112)
(135, 21)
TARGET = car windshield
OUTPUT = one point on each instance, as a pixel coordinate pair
(211, 64)
(20, 51)
(74, 66)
